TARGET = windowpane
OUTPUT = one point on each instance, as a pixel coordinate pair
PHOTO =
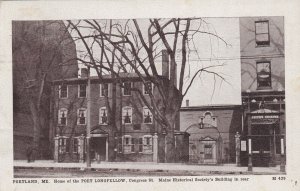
(127, 115)
(262, 38)
(63, 91)
(147, 115)
(263, 74)
(127, 88)
(262, 27)
(82, 90)
(62, 117)
(262, 33)
(104, 90)
(103, 116)
(147, 88)
(147, 144)
(82, 116)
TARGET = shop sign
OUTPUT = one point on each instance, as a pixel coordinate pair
(243, 146)
(264, 118)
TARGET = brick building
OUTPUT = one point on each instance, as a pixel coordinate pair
(263, 95)
(134, 134)
(212, 132)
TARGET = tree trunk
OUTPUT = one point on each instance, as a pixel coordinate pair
(170, 138)
(36, 128)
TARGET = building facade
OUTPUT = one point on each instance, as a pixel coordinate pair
(263, 90)
(212, 132)
(122, 126)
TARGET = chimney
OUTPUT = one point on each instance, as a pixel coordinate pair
(187, 103)
(84, 73)
(165, 63)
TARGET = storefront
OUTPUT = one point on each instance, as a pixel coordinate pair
(263, 144)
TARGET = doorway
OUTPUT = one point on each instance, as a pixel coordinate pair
(98, 149)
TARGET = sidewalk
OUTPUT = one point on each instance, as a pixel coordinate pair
(149, 166)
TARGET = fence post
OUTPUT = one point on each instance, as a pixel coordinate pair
(155, 148)
(81, 148)
(237, 148)
(56, 148)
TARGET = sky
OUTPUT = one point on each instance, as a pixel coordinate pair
(208, 50)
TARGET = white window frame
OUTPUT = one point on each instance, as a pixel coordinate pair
(123, 116)
(100, 116)
(151, 115)
(146, 146)
(101, 89)
(144, 88)
(79, 90)
(59, 88)
(59, 116)
(78, 117)
(129, 145)
(123, 89)
(268, 33)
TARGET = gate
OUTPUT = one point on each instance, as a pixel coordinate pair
(204, 144)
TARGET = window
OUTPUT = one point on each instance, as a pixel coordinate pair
(81, 117)
(147, 115)
(127, 115)
(140, 144)
(103, 90)
(147, 144)
(127, 88)
(103, 119)
(75, 145)
(128, 144)
(63, 145)
(62, 116)
(147, 88)
(262, 33)
(82, 90)
(120, 145)
(63, 91)
(263, 74)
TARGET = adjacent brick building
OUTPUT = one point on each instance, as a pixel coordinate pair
(263, 90)
(212, 132)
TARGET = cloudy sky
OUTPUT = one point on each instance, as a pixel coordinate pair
(208, 89)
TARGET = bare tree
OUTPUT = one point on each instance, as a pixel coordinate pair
(124, 46)
(38, 54)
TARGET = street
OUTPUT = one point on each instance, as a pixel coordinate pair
(62, 173)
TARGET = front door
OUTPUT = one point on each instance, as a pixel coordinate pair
(261, 149)
(98, 148)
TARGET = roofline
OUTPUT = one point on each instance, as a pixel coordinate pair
(106, 78)
(209, 107)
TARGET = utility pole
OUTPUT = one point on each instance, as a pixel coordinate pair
(88, 127)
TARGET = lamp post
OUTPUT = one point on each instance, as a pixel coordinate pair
(88, 127)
